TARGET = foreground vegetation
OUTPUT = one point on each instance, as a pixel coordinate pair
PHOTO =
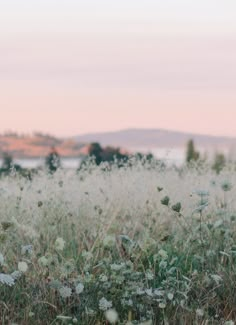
(141, 244)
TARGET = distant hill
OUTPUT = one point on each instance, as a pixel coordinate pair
(154, 138)
(39, 145)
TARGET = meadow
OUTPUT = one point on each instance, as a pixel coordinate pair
(141, 244)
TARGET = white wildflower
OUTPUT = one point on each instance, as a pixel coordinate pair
(126, 302)
(162, 305)
(60, 244)
(6, 279)
(88, 277)
(119, 279)
(158, 293)
(216, 278)
(43, 261)
(200, 312)
(22, 267)
(109, 241)
(79, 288)
(31, 314)
(117, 267)
(65, 292)
(170, 296)
(149, 275)
(163, 265)
(27, 249)
(163, 254)
(111, 316)
(16, 275)
(87, 255)
(103, 278)
(104, 304)
(149, 292)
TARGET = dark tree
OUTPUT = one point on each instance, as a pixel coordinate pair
(110, 154)
(96, 150)
(53, 161)
(8, 164)
(192, 154)
(7, 161)
(107, 154)
(219, 162)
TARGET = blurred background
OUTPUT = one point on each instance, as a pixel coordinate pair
(131, 75)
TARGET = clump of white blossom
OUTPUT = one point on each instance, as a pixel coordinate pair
(65, 292)
(104, 304)
(22, 267)
(111, 316)
(79, 288)
(7, 279)
(60, 244)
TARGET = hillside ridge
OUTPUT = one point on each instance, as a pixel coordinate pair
(39, 145)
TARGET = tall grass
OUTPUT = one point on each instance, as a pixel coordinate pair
(141, 244)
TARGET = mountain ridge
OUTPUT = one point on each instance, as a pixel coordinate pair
(130, 140)
(135, 137)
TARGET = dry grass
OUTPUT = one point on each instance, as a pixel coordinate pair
(104, 233)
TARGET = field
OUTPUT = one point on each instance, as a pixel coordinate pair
(141, 244)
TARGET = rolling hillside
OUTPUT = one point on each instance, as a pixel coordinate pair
(154, 138)
(39, 145)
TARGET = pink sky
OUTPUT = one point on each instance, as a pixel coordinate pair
(68, 68)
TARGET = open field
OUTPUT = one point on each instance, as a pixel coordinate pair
(139, 244)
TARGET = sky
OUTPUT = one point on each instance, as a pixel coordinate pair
(70, 67)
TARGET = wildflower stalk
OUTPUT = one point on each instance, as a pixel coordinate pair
(179, 214)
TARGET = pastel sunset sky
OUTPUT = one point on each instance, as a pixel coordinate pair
(75, 66)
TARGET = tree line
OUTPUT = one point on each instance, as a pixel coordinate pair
(192, 155)
(110, 154)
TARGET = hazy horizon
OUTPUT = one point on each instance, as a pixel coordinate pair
(46, 133)
(76, 67)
